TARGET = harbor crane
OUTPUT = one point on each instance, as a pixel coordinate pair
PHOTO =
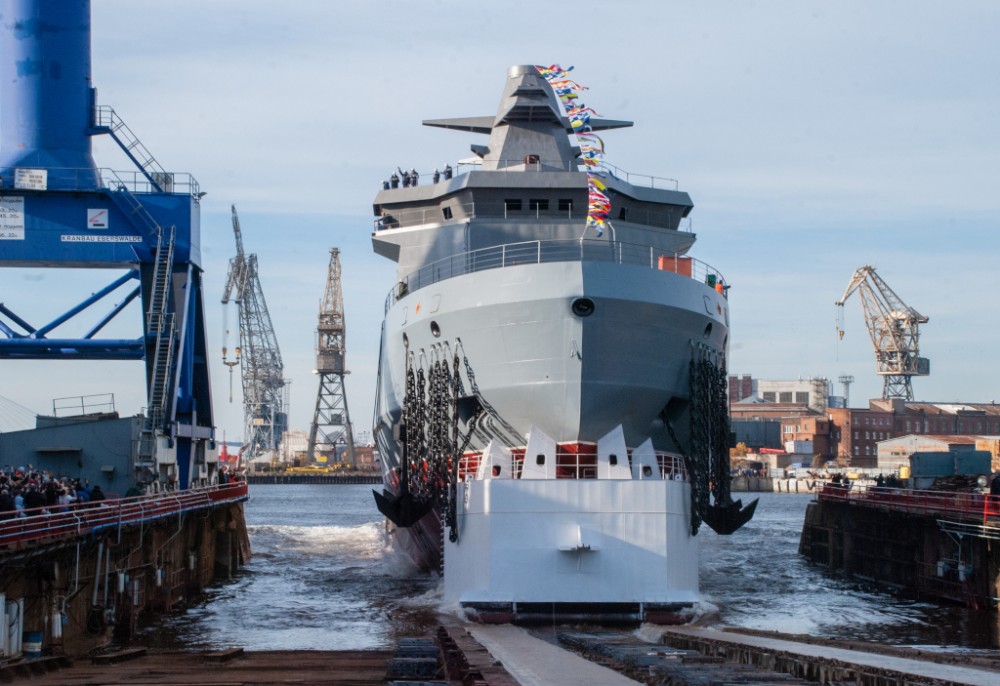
(331, 424)
(265, 416)
(894, 329)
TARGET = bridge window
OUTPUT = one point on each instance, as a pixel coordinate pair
(565, 205)
(623, 213)
(446, 211)
(538, 205)
(512, 204)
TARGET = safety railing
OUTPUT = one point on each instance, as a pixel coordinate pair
(579, 465)
(57, 523)
(177, 183)
(520, 164)
(521, 211)
(568, 250)
(89, 179)
(641, 179)
(933, 503)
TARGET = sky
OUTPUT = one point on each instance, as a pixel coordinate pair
(813, 137)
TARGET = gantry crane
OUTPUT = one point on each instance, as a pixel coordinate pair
(264, 415)
(331, 424)
(894, 330)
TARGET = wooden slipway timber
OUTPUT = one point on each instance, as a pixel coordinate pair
(939, 545)
(77, 577)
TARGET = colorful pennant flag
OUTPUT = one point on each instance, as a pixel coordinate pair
(591, 146)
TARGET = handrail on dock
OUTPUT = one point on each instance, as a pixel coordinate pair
(961, 504)
(57, 523)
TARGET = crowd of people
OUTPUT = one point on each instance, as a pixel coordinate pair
(27, 488)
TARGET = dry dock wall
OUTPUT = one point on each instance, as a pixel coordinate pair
(766, 484)
(78, 593)
(915, 553)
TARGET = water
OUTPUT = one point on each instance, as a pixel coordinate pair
(322, 578)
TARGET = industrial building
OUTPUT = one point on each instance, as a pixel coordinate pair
(853, 435)
(813, 393)
(895, 452)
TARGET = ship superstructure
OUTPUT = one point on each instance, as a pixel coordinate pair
(537, 381)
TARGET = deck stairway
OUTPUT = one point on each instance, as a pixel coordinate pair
(106, 120)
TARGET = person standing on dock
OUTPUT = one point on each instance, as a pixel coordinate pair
(6, 505)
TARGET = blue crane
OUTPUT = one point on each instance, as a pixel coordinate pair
(59, 210)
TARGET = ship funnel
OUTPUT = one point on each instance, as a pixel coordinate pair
(46, 95)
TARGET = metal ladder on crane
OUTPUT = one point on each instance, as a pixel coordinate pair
(106, 120)
(159, 323)
(129, 204)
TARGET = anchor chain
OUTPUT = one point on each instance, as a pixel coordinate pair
(435, 444)
(707, 461)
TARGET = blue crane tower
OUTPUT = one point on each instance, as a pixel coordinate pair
(59, 210)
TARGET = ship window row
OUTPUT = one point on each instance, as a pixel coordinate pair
(537, 204)
(520, 208)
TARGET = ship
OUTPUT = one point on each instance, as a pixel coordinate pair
(550, 408)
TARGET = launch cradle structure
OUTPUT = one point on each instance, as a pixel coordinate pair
(59, 210)
(894, 328)
(331, 424)
(265, 418)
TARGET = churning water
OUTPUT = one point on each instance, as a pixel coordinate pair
(322, 578)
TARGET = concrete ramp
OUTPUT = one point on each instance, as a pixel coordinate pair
(534, 662)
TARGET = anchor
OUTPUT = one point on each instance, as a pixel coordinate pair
(725, 519)
(403, 510)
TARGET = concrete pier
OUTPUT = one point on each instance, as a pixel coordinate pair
(940, 546)
(825, 664)
(76, 578)
(464, 654)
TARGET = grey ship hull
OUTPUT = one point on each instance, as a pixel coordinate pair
(539, 364)
(557, 450)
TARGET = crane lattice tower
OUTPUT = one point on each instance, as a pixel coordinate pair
(894, 329)
(331, 424)
(265, 418)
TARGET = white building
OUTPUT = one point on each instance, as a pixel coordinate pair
(810, 392)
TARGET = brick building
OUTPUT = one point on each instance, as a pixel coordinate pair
(854, 433)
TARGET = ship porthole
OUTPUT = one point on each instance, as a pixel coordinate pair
(708, 330)
(435, 330)
(583, 307)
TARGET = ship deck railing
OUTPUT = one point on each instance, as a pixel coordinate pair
(571, 464)
(520, 164)
(59, 523)
(962, 505)
(516, 210)
(557, 250)
(82, 179)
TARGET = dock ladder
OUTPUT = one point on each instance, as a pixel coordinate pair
(106, 120)
(159, 323)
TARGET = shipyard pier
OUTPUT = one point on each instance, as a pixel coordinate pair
(940, 545)
(104, 515)
(71, 580)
